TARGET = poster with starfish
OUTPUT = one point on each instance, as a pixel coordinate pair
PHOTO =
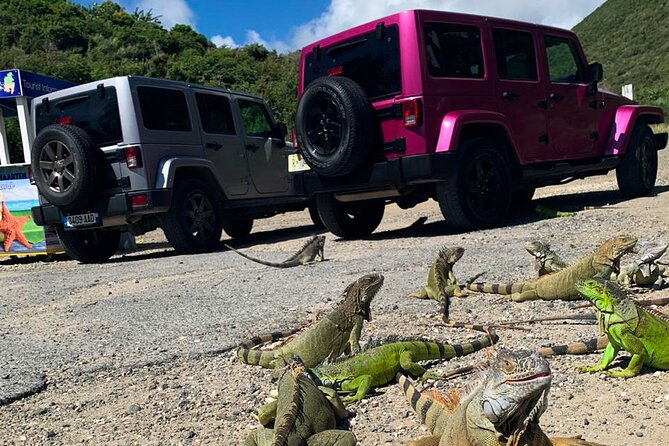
(18, 232)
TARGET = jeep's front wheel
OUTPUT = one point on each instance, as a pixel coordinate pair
(637, 171)
(193, 223)
(91, 245)
(349, 220)
(477, 194)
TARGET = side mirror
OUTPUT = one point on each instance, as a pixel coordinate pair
(595, 74)
(280, 132)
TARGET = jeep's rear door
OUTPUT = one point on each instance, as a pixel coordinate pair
(267, 161)
(222, 141)
(520, 90)
(573, 114)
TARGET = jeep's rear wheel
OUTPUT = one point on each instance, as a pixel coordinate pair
(238, 227)
(350, 220)
(193, 223)
(334, 125)
(637, 171)
(315, 217)
(477, 194)
(63, 165)
(91, 245)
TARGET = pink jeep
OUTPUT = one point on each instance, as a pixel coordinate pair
(474, 112)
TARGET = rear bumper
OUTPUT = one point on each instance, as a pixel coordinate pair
(113, 205)
(395, 173)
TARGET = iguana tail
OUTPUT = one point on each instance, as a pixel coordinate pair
(286, 264)
(248, 355)
(287, 422)
(432, 413)
(575, 348)
(500, 288)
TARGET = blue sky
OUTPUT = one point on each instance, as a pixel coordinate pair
(286, 25)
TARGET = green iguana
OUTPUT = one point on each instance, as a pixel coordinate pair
(502, 410)
(441, 270)
(545, 260)
(644, 271)
(307, 254)
(561, 285)
(378, 365)
(304, 414)
(640, 331)
(335, 334)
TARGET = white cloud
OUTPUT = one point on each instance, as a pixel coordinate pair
(220, 41)
(343, 14)
(172, 12)
(253, 36)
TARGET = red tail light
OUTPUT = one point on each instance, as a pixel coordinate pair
(139, 200)
(336, 71)
(31, 178)
(133, 157)
(294, 137)
(412, 111)
(67, 120)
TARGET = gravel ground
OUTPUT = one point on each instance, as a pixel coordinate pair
(138, 350)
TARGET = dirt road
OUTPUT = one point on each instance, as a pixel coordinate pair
(136, 351)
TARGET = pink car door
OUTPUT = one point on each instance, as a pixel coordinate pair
(573, 112)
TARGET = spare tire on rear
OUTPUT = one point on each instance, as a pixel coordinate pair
(334, 125)
(63, 165)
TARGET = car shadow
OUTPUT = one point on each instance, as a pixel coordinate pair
(575, 202)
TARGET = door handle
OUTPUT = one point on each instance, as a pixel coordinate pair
(252, 147)
(510, 96)
(213, 145)
(555, 97)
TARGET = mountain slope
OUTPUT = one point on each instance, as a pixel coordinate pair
(631, 40)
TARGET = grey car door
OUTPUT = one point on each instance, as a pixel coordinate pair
(268, 163)
(222, 142)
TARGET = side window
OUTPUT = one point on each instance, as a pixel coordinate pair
(164, 109)
(514, 51)
(255, 119)
(564, 62)
(453, 51)
(215, 114)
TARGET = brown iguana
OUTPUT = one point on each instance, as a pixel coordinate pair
(545, 260)
(561, 285)
(336, 333)
(502, 410)
(442, 269)
(305, 415)
(640, 331)
(307, 254)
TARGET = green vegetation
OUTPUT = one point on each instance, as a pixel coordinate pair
(631, 40)
(81, 44)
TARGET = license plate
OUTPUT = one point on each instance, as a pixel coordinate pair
(81, 220)
(296, 163)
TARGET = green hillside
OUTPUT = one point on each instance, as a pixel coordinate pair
(80, 44)
(631, 40)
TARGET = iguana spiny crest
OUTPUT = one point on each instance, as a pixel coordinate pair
(610, 252)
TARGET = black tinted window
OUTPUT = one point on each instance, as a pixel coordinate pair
(453, 50)
(564, 63)
(372, 62)
(255, 119)
(97, 115)
(164, 109)
(515, 55)
(215, 114)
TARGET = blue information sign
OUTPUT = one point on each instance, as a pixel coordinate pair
(15, 83)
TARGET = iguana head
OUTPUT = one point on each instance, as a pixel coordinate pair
(358, 295)
(515, 390)
(451, 255)
(614, 248)
(537, 248)
(605, 295)
(319, 240)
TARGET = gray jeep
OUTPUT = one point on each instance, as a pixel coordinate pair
(134, 154)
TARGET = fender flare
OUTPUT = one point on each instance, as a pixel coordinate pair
(167, 169)
(625, 119)
(453, 123)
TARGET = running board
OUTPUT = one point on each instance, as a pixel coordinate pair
(556, 173)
